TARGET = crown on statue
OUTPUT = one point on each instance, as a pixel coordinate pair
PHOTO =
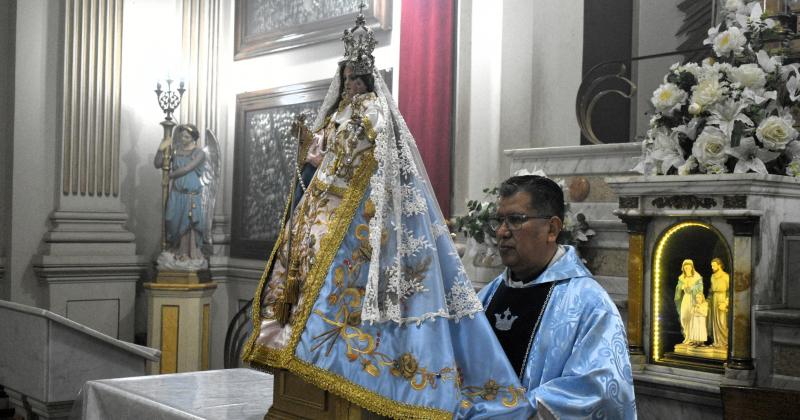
(359, 42)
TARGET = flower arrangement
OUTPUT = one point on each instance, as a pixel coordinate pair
(475, 224)
(732, 113)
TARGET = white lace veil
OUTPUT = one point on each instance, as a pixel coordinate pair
(415, 273)
(331, 97)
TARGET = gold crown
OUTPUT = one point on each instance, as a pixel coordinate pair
(359, 42)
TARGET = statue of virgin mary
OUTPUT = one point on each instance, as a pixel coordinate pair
(364, 294)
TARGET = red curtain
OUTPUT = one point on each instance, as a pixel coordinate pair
(427, 42)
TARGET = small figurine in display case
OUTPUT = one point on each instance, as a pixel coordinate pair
(690, 285)
(698, 333)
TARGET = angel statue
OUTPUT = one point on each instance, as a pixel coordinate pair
(191, 179)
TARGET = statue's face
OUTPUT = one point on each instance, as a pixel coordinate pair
(357, 86)
(688, 269)
(185, 138)
(348, 74)
(714, 266)
(352, 84)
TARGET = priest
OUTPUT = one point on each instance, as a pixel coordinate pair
(559, 329)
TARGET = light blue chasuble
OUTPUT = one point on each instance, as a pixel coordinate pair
(578, 365)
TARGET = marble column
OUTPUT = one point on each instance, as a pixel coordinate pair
(88, 264)
(740, 334)
(200, 50)
(637, 229)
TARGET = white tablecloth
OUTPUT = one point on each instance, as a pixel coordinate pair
(216, 394)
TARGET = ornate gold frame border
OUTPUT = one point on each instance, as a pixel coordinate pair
(378, 17)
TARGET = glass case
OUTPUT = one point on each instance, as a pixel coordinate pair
(691, 294)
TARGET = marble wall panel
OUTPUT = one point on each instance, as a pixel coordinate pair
(791, 271)
(85, 312)
(606, 261)
(659, 407)
(785, 358)
(20, 367)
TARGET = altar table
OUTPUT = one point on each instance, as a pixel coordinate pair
(216, 394)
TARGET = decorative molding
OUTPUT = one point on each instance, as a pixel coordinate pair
(623, 150)
(636, 224)
(789, 317)
(92, 277)
(684, 202)
(743, 226)
(222, 229)
(629, 202)
(83, 270)
(91, 100)
(750, 184)
(734, 202)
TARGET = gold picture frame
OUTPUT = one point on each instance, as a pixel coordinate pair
(267, 26)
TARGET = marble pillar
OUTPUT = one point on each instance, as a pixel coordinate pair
(637, 230)
(88, 265)
(740, 334)
(200, 62)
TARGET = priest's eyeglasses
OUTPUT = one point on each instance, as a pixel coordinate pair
(513, 221)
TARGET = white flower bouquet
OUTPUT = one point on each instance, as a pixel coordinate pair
(734, 112)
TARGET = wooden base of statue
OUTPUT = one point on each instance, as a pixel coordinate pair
(179, 321)
(294, 398)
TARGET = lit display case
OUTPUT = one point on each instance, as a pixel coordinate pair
(690, 296)
(707, 267)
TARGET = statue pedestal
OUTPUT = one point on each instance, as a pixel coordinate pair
(179, 321)
(702, 351)
(295, 398)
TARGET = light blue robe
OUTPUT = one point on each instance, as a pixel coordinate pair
(578, 365)
(184, 205)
